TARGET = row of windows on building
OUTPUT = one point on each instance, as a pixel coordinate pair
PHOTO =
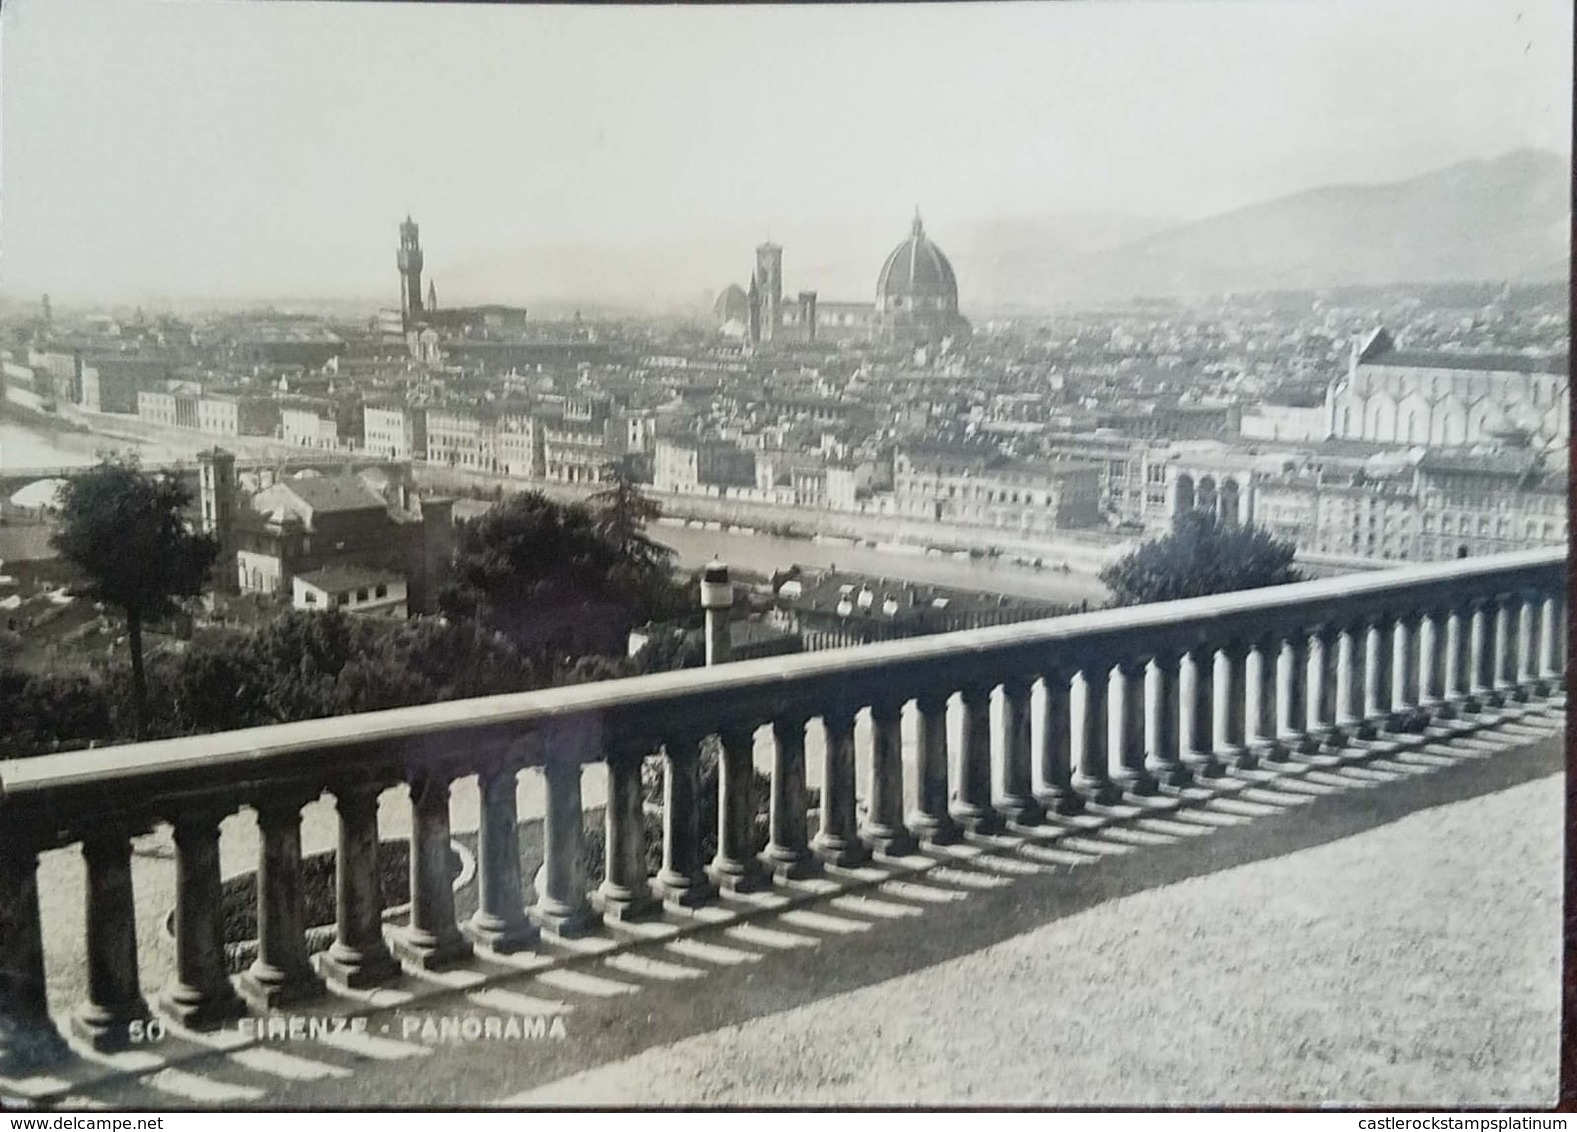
(362, 594)
(981, 494)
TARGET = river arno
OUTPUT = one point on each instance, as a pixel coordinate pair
(23, 446)
(762, 554)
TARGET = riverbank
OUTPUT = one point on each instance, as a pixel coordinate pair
(1082, 551)
(77, 434)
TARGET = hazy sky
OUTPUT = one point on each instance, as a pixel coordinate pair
(158, 146)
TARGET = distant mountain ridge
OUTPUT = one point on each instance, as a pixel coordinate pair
(1504, 219)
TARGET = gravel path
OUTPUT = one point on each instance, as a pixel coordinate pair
(1413, 964)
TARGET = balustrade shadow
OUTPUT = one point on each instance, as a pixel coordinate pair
(1112, 733)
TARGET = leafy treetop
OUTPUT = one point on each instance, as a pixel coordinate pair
(1200, 556)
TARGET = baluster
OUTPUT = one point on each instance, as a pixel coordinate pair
(682, 882)
(1559, 639)
(788, 854)
(27, 1036)
(1527, 645)
(625, 893)
(282, 973)
(563, 906)
(500, 923)
(972, 807)
(1349, 685)
(931, 817)
(1318, 716)
(1090, 778)
(201, 994)
(431, 939)
(1480, 673)
(1019, 803)
(1162, 737)
(837, 842)
(1552, 630)
(359, 957)
(114, 991)
(1430, 685)
(1402, 703)
(1259, 699)
(1502, 647)
(1196, 677)
(1291, 707)
(1376, 670)
(1231, 694)
(1453, 663)
(884, 827)
(1125, 728)
(735, 867)
(1053, 761)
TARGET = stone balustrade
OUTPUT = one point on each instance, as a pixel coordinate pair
(1090, 710)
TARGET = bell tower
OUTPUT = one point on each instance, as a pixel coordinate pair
(409, 260)
(217, 483)
(769, 280)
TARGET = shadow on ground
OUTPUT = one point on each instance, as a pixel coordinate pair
(607, 1030)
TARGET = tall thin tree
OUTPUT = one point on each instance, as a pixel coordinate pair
(623, 510)
(127, 531)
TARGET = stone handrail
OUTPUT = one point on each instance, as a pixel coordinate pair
(1127, 701)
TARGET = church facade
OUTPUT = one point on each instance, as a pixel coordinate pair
(1445, 399)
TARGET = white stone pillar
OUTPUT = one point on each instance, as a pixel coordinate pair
(1230, 700)
(1090, 779)
(1317, 716)
(1125, 728)
(1018, 797)
(1480, 672)
(28, 1038)
(114, 991)
(838, 842)
(359, 957)
(1349, 693)
(282, 974)
(1452, 663)
(432, 939)
(1162, 721)
(788, 852)
(563, 906)
(1502, 669)
(972, 809)
(735, 867)
(1552, 634)
(682, 882)
(500, 921)
(626, 891)
(201, 995)
(1195, 700)
(1054, 761)
(1431, 689)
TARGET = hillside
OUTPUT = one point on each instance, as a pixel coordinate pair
(1503, 219)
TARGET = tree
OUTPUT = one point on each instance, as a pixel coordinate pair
(1200, 556)
(553, 579)
(622, 512)
(127, 531)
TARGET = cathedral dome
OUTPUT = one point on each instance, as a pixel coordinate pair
(917, 276)
(732, 304)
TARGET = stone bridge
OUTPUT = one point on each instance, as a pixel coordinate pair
(987, 755)
(13, 480)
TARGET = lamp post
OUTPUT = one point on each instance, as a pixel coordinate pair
(717, 598)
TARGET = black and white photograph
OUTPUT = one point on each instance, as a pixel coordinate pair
(784, 556)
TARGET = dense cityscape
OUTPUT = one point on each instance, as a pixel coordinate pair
(455, 653)
(1367, 426)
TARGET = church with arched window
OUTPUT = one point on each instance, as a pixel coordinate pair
(1443, 399)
